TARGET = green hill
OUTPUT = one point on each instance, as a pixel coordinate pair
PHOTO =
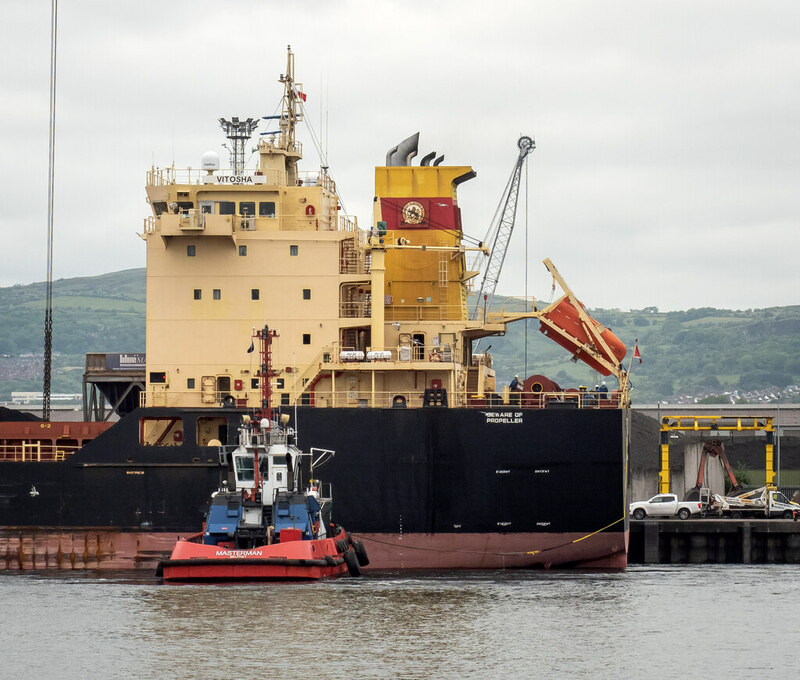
(700, 353)
(90, 314)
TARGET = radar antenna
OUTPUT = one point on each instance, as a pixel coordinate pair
(499, 233)
(238, 132)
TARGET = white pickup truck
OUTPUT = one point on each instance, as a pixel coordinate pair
(665, 505)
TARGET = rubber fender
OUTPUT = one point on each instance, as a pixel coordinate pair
(351, 561)
(361, 553)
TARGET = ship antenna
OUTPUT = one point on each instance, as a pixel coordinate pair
(292, 95)
(48, 314)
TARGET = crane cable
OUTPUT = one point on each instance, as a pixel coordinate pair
(48, 314)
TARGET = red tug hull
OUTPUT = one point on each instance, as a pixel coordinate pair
(288, 561)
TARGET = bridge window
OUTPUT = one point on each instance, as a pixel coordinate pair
(189, 383)
(294, 250)
(191, 251)
(217, 294)
(198, 294)
(266, 209)
(242, 251)
(226, 207)
(255, 293)
(247, 208)
(306, 293)
(306, 338)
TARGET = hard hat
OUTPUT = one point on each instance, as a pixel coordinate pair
(516, 376)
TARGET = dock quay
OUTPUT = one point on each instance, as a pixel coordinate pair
(714, 541)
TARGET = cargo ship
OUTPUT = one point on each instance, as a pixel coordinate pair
(378, 358)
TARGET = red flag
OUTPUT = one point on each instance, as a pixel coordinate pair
(636, 353)
(300, 93)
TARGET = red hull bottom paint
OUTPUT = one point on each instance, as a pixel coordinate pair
(496, 551)
(81, 548)
(41, 548)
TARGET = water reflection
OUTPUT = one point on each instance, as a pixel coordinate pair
(392, 625)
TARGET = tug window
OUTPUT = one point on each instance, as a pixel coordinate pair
(255, 293)
(247, 208)
(294, 250)
(266, 209)
(245, 470)
(191, 251)
(227, 207)
(198, 294)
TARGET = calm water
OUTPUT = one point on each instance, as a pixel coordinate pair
(678, 622)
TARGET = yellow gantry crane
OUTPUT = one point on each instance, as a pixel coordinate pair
(712, 424)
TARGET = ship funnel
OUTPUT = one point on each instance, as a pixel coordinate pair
(439, 160)
(427, 158)
(402, 154)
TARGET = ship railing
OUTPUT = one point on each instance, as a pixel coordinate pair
(34, 452)
(315, 178)
(173, 398)
(348, 223)
(149, 224)
(323, 395)
(355, 310)
(404, 353)
(157, 177)
(423, 310)
(538, 400)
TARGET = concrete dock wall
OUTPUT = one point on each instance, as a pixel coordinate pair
(714, 541)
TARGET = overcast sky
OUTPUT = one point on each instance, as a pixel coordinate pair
(666, 169)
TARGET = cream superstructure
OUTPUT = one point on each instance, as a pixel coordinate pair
(372, 317)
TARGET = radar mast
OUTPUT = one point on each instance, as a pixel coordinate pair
(291, 110)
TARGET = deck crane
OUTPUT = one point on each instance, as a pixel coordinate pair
(502, 225)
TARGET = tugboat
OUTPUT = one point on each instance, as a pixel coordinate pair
(267, 523)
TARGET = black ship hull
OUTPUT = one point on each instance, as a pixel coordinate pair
(426, 488)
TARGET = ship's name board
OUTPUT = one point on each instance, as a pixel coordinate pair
(238, 553)
(240, 179)
(503, 418)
